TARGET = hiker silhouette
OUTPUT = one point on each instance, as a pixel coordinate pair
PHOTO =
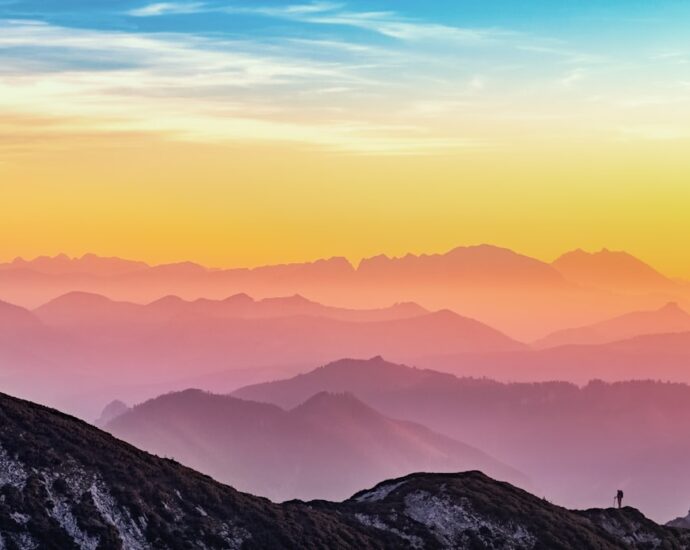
(618, 498)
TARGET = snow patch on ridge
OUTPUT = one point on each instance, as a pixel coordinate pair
(377, 523)
(130, 533)
(380, 492)
(23, 541)
(81, 483)
(449, 521)
(234, 536)
(62, 513)
(19, 518)
(633, 534)
(11, 471)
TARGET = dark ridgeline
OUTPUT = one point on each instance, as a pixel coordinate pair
(65, 484)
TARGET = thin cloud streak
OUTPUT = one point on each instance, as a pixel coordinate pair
(386, 23)
(168, 8)
(426, 86)
(179, 87)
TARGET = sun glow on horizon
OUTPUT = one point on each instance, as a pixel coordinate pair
(257, 133)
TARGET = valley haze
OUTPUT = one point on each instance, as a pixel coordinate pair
(344, 274)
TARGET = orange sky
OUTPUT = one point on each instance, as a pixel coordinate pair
(243, 135)
(161, 201)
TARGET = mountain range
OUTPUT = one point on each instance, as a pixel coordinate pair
(327, 447)
(574, 443)
(645, 357)
(668, 319)
(488, 283)
(81, 350)
(611, 270)
(65, 484)
(83, 308)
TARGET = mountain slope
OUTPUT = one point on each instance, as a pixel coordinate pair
(681, 523)
(88, 264)
(15, 319)
(670, 318)
(84, 308)
(86, 349)
(110, 412)
(65, 484)
(484, 264)
(472, 511)
(577, 444)
(361, 378)
(141, 352)
(328, 447)
(614, 270)
(490, 283)
(403, 327)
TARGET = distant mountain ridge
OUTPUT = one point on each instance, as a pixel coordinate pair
(571, 441)
(493, 284)
(88, 264)
(611, 270)
(66, 484)
(327, 447)
(681, 523)
(483, 263)
(110, 412)
(14, 318)
(216, 335)
(83, 349)
(668, 319)
(85, 307)
(577, 265)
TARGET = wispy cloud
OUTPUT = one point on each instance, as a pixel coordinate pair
(408, 84)
(655, 132)
(168, 8)
(386, 23)
(291, 11)
(572, 77)
(190, 88)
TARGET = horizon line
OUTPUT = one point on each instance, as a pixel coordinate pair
(354, 262)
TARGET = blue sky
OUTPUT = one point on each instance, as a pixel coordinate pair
(403, 122)
(559, 16)
(397, 76)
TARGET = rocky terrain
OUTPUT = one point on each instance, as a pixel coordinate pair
(65, 484)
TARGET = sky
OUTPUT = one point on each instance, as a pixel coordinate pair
(250, 132)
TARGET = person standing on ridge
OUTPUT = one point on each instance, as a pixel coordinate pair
(618, 499)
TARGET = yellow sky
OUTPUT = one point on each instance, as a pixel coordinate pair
(157, 200)
(281, 132)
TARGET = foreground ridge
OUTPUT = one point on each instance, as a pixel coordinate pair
(66, 484)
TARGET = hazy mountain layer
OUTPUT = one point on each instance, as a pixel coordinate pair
(327, 447)
(492, 284)
(577, 444)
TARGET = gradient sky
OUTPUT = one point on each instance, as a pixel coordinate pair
(249, 132)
